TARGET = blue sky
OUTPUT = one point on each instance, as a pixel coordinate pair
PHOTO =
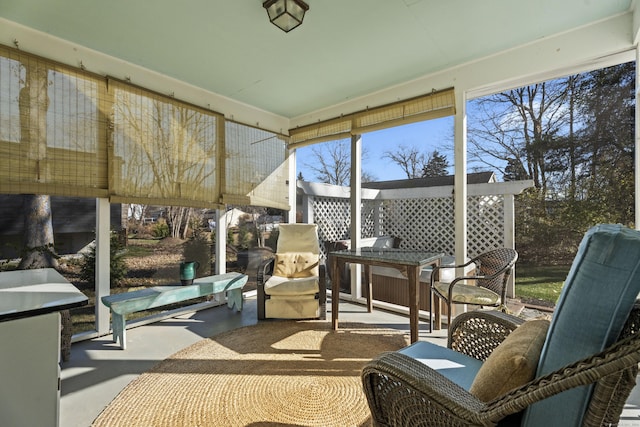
(425, 136)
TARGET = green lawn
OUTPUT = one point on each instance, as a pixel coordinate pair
(540, 283)
(134, 251)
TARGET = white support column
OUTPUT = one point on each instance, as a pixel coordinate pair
(356, 214)
(308, 216)
(460, 183)
(460, 178)
(509, 228)
(293, 187)
(221, 242)
(636, 165)
(103, 271)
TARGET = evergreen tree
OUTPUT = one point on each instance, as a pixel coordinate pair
(436, 165)
(514, 171)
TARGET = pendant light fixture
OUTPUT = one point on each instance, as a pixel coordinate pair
(286, 14)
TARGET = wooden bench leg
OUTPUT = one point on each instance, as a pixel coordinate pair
(234, 297)
(119, 329)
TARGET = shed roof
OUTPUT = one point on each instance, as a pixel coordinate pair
(437, 181)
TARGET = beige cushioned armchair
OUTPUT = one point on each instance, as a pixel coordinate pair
(292, 285)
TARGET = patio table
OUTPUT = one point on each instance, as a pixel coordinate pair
(408, 262)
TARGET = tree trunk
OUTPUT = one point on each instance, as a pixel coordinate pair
(38, 229)
(185, 229)
(38, 233)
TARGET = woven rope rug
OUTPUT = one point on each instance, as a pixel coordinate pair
(275, 373)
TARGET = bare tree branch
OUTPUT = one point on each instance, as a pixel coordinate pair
(410, 159)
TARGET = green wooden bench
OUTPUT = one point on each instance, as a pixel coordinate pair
(131, 302)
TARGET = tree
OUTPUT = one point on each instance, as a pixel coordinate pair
(39, 251)
(171, 158)
(436, 165)
(38, 229)
(514, 171)
(574, 137)
(607, 108)
(178, 219)
(411, 160)
(333, 163)
(521, 123)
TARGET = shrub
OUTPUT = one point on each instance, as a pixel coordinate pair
(118, 268)
(245, 238)
(272, 240)
(161, 229)
(199, 249)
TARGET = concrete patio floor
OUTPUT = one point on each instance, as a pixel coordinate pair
(98, 370)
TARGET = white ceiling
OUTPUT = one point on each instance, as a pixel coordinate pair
(344, 49)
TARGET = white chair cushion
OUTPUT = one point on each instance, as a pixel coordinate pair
(297, 308)
(296, 265)
(298, 238)
(283, 286)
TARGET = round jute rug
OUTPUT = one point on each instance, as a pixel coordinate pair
(275, 373)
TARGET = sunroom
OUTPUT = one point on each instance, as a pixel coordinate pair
(242, 95)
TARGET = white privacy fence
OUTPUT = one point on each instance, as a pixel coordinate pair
(422, 217)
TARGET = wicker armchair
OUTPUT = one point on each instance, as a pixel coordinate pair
(403, 391)
(486, 287)
(578, 370)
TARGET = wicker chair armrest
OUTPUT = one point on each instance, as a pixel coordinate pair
(439, 267)
(458, 279)
(434, 269)
(486, 277)
(477, 333)
(403, 391)
(265, 270)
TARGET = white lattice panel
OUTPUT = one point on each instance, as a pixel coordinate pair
(421, 223)
(368, 218)
(426, 223)
(485, 220)
(333, 217)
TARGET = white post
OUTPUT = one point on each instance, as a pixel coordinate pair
(103, 271)
(460, 180)
(293, 187)
(308, 215)
(221, 242)
(509, 228)
(356, 215)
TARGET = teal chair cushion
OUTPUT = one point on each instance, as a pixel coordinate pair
(458, 367)
(597, 297)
